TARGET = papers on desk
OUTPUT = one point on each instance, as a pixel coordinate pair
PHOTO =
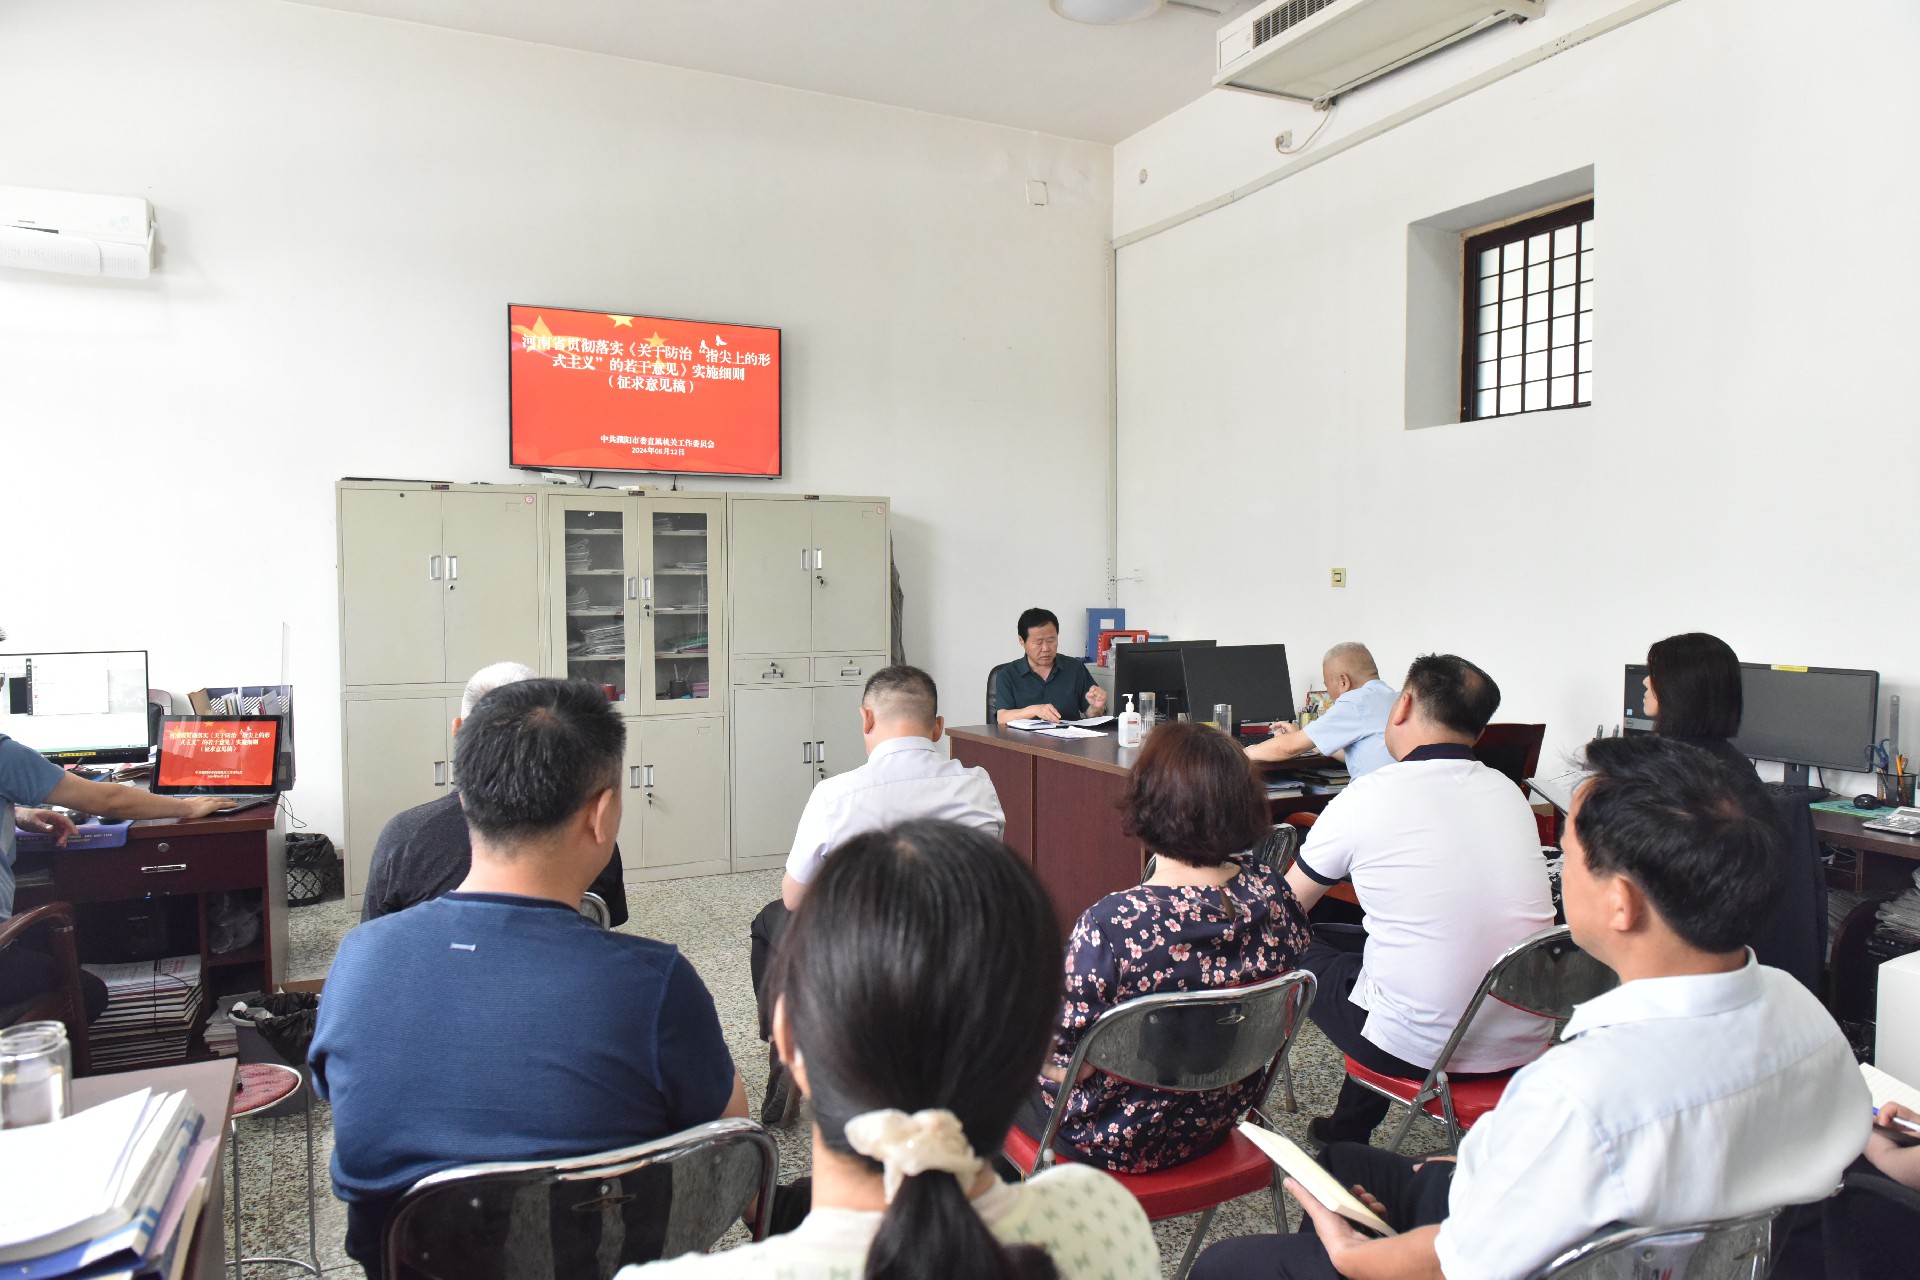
(97, 1189)
(1035, 724)
(1313, 1179)
(153, 1007)
(1558, 792)
(1068, 731)
(1886, 1088)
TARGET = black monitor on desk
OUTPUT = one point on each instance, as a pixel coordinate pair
(1252, 678)
(1802, 717)
(1153, 668)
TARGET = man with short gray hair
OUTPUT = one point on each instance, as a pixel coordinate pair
(1354, 728)
(427, 850)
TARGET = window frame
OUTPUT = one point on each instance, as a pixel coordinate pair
(1471, 247)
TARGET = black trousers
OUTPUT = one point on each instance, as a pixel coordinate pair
(765, 933)
(1414, 1197)
(26, 975)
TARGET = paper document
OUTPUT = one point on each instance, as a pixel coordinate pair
(1886, 1088)
(1035, 723)
(1069, 731)
(1558, 792)
(1306, 1171)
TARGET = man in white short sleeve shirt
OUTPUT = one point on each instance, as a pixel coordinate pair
(1705, 1086)
(1353, 729)
(906, 776)
(1444, 855)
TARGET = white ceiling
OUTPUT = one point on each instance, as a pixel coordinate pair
(1009, 62)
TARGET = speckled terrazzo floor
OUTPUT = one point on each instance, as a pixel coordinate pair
(707, 918)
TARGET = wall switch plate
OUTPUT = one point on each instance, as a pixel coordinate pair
(1283, 141)
(1339, 577)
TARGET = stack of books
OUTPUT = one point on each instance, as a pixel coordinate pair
(114, 1191)
(1326, 781)
(152, 1008)
(1283, 787)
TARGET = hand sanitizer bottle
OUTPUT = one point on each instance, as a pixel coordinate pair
(1129, 725)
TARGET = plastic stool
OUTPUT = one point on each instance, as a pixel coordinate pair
(263, 1086)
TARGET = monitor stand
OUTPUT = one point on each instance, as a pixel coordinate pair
(1795, 775)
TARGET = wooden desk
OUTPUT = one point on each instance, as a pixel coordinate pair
(1062, 798)
(172, 865)
(211, 1084)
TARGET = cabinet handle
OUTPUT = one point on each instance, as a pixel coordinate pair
(646, 588)
(806, 561)
(819, 560)
(433, 568)
(439, 773)
(453, 568)
(820, 752)
(806, 753)
(849, 671)
(646, 775)
(164, 867)
(633, 588)
(773, 672)
(633, 776)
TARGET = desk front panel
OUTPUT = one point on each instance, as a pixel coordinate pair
(1078, 848)
(193, 864)
(1012, 775)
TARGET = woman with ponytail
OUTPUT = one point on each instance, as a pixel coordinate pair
(915, 991)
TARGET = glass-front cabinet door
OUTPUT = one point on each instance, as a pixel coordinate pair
(680, 556)
(597, 593)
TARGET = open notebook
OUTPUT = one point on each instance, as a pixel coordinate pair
(1316, 1181)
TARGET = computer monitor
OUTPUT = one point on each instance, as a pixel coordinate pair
(1149, 668)
(1808, 717)
(1252, 678)
(77, 708)
(1803, 717)
(217, 755)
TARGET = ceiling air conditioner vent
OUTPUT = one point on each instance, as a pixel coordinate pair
(1315, 50)
(1285, 16)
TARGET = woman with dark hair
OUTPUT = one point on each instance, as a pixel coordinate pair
(1694, 696)
(914, 991)
(1210, 915)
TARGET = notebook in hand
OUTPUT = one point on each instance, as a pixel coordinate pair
(1315, 1180)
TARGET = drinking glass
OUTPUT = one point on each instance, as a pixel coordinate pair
(36, 1068)
(1223, 716)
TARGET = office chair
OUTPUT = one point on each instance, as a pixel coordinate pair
(1512, 749)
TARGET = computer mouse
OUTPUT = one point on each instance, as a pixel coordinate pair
(1866, 801)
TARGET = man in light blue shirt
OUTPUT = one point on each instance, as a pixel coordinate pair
(1354, 728)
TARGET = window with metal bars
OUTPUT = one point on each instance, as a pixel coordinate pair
(1529, 316)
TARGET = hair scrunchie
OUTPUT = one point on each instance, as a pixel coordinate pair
(909, 1145)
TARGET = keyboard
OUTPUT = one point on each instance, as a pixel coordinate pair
(1805, 795)
(1901, 822)
(241, 802)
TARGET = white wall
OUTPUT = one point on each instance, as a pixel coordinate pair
(1751, 461)
(347, 204)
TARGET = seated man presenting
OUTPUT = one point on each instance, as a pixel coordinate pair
(1042, 685)
(426, 851)
(1444, 855)
(1353, 729)
(1705, 1086)
(905, 777)
(496, 1022)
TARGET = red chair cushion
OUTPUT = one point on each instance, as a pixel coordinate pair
(1233, 1169)
(1472, 1098)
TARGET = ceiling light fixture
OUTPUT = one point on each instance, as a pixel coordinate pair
(1106, 13)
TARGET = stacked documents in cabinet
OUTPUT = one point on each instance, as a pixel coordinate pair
(152, 1007)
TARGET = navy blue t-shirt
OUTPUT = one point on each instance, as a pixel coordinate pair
(483, 1026)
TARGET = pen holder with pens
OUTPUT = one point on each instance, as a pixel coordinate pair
(1896, 788)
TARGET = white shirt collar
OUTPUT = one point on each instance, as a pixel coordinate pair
(892, 745)
(1656, 999)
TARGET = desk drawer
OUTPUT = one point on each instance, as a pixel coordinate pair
(846, 668)
(785, 668)
(190, 864)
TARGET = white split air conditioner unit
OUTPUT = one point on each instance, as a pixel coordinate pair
(79, 234)
(1314, 50)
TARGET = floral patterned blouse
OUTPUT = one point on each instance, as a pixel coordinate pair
(1167, 938)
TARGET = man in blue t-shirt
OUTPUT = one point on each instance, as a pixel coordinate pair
(1354, 728)
(496, 1022)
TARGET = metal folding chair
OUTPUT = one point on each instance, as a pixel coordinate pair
(594, 908)
(1544, 975)
(584, 1216)
(1730, 1249)
(1186, 1042)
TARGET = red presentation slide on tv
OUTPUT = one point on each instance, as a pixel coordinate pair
(217, 753)
(595, 391)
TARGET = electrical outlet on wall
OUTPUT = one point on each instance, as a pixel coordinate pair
(1283, 141)
(1339, 577)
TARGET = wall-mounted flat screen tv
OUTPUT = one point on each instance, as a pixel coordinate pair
(600, 391)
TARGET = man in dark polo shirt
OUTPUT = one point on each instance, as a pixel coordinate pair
(1040, 685)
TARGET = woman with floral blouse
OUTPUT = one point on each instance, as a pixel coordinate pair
(1209, 916)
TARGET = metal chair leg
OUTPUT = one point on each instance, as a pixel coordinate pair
(1280, 1202)
(1193, 1245)
(1286, 1082)
(1406, 1127)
